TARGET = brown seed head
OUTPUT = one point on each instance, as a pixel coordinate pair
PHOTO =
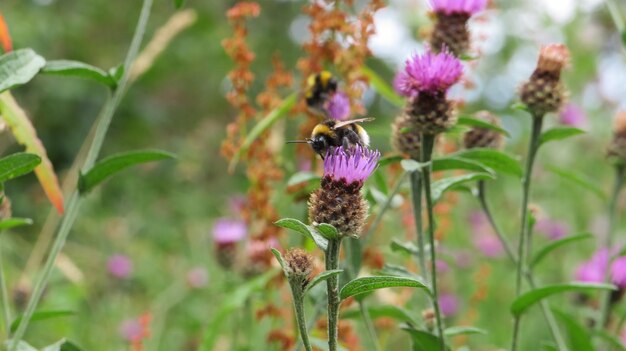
(431, 113)
(483, 137)
(429, 317)
(619, 124)
(298, 265)
(405, 137)
(451, 32)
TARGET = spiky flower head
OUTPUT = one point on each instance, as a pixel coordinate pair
(429, 73)
(451, 27)
(544, 92)
(484, 137)
(339, 201)
(405, 137)
(617, 148)
(338, 106)
(298, 266)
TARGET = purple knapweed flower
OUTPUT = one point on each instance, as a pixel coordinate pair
(468, 7)
(120, 266)
(449, 304)
(338, 106)
(430, 72)
(228, 231)
(352, 165)
(573, 115)
(618, 272)
(593, 271)
(552, 229)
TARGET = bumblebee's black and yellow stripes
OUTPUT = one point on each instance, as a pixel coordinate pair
(332, 133)
(319, 87)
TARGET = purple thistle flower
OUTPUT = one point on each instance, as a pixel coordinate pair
(592, 271)
(430, 73)
(468, 7)
(353, 165)
(228, 231)
(573, 115)
(618, 272)
(120, 266)
(338, 106)
(449, 304)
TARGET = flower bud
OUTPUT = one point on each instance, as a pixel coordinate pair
(298, 266)
(484, 137)
(405, 137)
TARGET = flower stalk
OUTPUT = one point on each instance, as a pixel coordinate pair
(4, 298)
(298, 306)
(332, 284)
(416, 196)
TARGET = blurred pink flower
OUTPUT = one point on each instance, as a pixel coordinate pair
(442, 266)
(236, 204)
(618, 272)
(449, 304)
(483, 236)
(197, 277)
(464, 258)
(228, 231)
(338, 106)
(573, 115)
(592, 271)
(552, 229)
(131, 330)
(120, 266)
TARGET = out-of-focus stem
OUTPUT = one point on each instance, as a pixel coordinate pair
(371, 330)
(332, 262)
(4, 298)
(416, 196)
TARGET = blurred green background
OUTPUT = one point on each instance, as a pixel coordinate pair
(161, 215)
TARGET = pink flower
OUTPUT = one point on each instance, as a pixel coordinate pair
(468, 7)
(338, 106)
(593, 271)
(228, 231)
(449, 304)
(197, 277)
(618, 272)
(483, 236)
(353, 165)
(573, 115)
(553, 230)
(431, 73)
(120, 266)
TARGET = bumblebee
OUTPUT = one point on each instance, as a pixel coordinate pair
(332, 133)
(320, 87)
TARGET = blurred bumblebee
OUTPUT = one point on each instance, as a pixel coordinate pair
(319, 88)
(332, 133)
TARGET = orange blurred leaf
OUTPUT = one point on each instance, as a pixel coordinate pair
(5, 37)
(26, 135)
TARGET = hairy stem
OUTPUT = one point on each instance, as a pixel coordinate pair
(371, 330)
(416, 197)
(524, 237)
(428, 142)
(332, 284)
(298, 306)
(4, 298)
(73, 205)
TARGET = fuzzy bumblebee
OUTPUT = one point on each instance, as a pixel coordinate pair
(319, 88)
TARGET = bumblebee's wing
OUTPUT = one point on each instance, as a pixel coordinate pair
(352, 121)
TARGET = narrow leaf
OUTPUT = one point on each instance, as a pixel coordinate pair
(398, 271)
(520, 107)
(381, 86)
(80, 70)
(407, 247)
(457, 163)
(40, 316)
(18, 164)
(322, 277)
(21, 346)
(327, 231)
(454, 331)
(389, 160)
(579, 338)
(559, 134)
(474, 122)
(494, 159)
(526, 300)
(14, 222)
(25, 134)
(19, 67)
(111, 165)
(412, 165)
(539, 256)
(62, 345)
(578, 180)
(384, 311)
(442, 185)
(365, 285)
(279, 257)
(263, 125)
(308, 231)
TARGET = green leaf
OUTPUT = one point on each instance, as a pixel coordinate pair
(322, 277)
(116, 73)
(526, 300)
(18, 164)
(454, 331)
(80, 70)
(422, 340)
(412, 165)
(578, 180)
(474, 122)
(263, 125)
(579, 338)
(19, 67)
(303, 177)
(559, 134)
(441, 186)
(107, 167)
(494, 159)
(389, 160)
(40, 316)
(381, 86)
(407, 247)
(365, 285)
(62, 345)
(14, 222)
(384, 311)
(557, 244)
(179, 4)
(398, 271)
(21, 346)
(279, 257)
(457, 163)
(308, 231)
(327, 231)
(519, 106)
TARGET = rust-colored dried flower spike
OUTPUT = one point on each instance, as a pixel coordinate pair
(405, 137)
(484, 137)
(617, 148)
(339, 201)
(451, 28)
(544, 92)
(298, 266)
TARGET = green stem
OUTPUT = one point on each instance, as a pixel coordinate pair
(4, 297)
(298, 306)
(547, 313)
(605, 306)
(428, 143)
(383, 209)
(317, 312)
(416, 197)
(524, 238)
(371, 330)
(332, 262)
(73, 205)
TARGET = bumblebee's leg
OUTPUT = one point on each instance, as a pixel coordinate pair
(351, 138)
